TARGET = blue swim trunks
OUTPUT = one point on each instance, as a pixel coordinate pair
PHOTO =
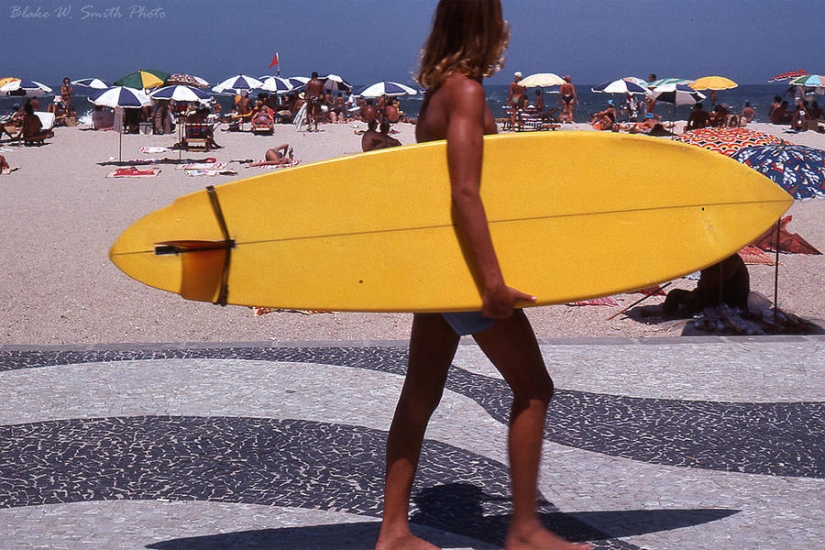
(468, 322)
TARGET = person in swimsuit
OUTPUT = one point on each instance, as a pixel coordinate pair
(276, 156)
(455, 109)
(315, 97)
(567, 99)
(515, 100)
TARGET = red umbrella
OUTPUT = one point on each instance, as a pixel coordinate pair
(788, 75)
(727, 140)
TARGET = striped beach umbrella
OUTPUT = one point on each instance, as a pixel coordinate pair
(276, 84)
(667, 82)
(180, 93)
(620, 86)
(123, 98)
(237, 84)
(677, 94)
(22, 87)
(143, 79)
(809, 81)
(94, 83)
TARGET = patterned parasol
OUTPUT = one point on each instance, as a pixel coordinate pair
(799, 170)
(182, 79)
(727, 140)
(788, 75)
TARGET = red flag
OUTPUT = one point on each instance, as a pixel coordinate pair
(274, 61)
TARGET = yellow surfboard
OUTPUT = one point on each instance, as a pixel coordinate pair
(573, 215)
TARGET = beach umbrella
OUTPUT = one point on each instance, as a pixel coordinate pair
(677, 94)
(237, 84)
(120, 97)
(797, 169)
(788, 75)
(94, 83)
(384, 88)
(298, 81)
(715, 83)
(180, 93)
(727, 141)
(143, 79)
(6, 79)
(276, 84)
(334, 82)
(183, 79)
(620, 86)
(809, 81)
(667, 81)
(22, 87)
(541, 80)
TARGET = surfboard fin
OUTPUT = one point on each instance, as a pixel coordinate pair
(205, 270)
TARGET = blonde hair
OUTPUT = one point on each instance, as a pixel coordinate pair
(468, 37)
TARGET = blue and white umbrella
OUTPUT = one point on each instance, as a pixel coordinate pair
(94, 83)
(391, 89)
(333, 82)
(298, 82)
(276, 84)
(797, 169)
(28, 88)
(620, 86)
(121, 97)
(237, 84)
(180, 93)
(677, 94)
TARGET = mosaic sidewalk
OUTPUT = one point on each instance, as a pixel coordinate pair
(657, 444)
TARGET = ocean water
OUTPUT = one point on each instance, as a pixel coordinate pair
(760, 97)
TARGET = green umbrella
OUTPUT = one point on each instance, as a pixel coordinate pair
(143, 79)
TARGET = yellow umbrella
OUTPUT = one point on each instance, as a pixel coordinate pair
(713, 83)
(6, 80)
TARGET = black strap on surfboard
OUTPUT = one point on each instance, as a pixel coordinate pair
(223, 295)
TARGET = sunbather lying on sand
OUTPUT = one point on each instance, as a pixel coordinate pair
(282, 154)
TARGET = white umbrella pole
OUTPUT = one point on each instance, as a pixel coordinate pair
(120, 146)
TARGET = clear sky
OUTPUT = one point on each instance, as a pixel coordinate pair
(370, 40)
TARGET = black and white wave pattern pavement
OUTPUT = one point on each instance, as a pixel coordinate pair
(647, 446)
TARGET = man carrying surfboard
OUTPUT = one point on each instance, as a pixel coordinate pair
(466, 44)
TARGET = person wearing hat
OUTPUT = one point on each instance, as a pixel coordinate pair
(604, 120)
(515, 100)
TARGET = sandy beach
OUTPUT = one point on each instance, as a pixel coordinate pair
(60, 214)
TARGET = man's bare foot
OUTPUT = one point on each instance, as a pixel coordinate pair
(538, 538)
(404, 542)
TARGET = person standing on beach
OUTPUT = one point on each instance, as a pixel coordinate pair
(466, 44)
(567, 99)
(515, 99)
(315, 97)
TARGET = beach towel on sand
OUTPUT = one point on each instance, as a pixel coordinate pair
(208, 165)
(293, 162)
(203, 172)
(133, 172)
(152, 150)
